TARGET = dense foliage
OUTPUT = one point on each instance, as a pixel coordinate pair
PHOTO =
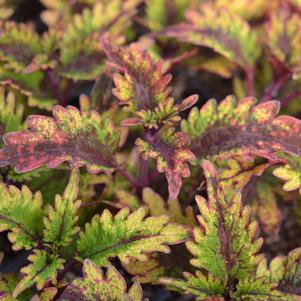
(119, 182)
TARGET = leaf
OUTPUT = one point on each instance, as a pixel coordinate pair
(290, 173)
(226, 251)
(30, 85)
(127, 235)
(235, 174)
(143, 87)
(19, 44)
(11, 114)
(81, 54)
(242, 129)
(285, 270)
(224, 32)
(171, 208)
(21, 214)
(82, 138)
(160, 13)
(283, 38)
(59, 224)
(169, 149)
(21, 47)
(96, 286)
(244, 8)
(224, 246)
(160, 265)
(267, 211)
(48, 294)
(127, 199)
(43, 267)
(200, 285)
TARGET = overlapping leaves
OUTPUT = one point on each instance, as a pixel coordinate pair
(11, 114)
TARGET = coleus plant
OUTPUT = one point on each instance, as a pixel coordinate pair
(143, 190)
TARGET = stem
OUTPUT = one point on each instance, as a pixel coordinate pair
(285, 100)
(70, 263)
(143, 179)
(272, 90)
(129, 177)
(96, 203)
(250, 81)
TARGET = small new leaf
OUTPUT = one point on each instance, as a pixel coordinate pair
(82, 138)
(169, 149)
(59, 224)
(11, 114)
(96, 286)
(43, 267)
(290, 173)
(127, 235)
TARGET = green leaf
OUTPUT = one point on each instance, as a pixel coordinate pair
(127, 235)
(83, 138)
(225, 243)
(224, 247)
(60, 220)
(160, 13)
(11, 114)
(290, 173)
(43, 267)
(224, 32)
(21, 214)
(96, 286)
